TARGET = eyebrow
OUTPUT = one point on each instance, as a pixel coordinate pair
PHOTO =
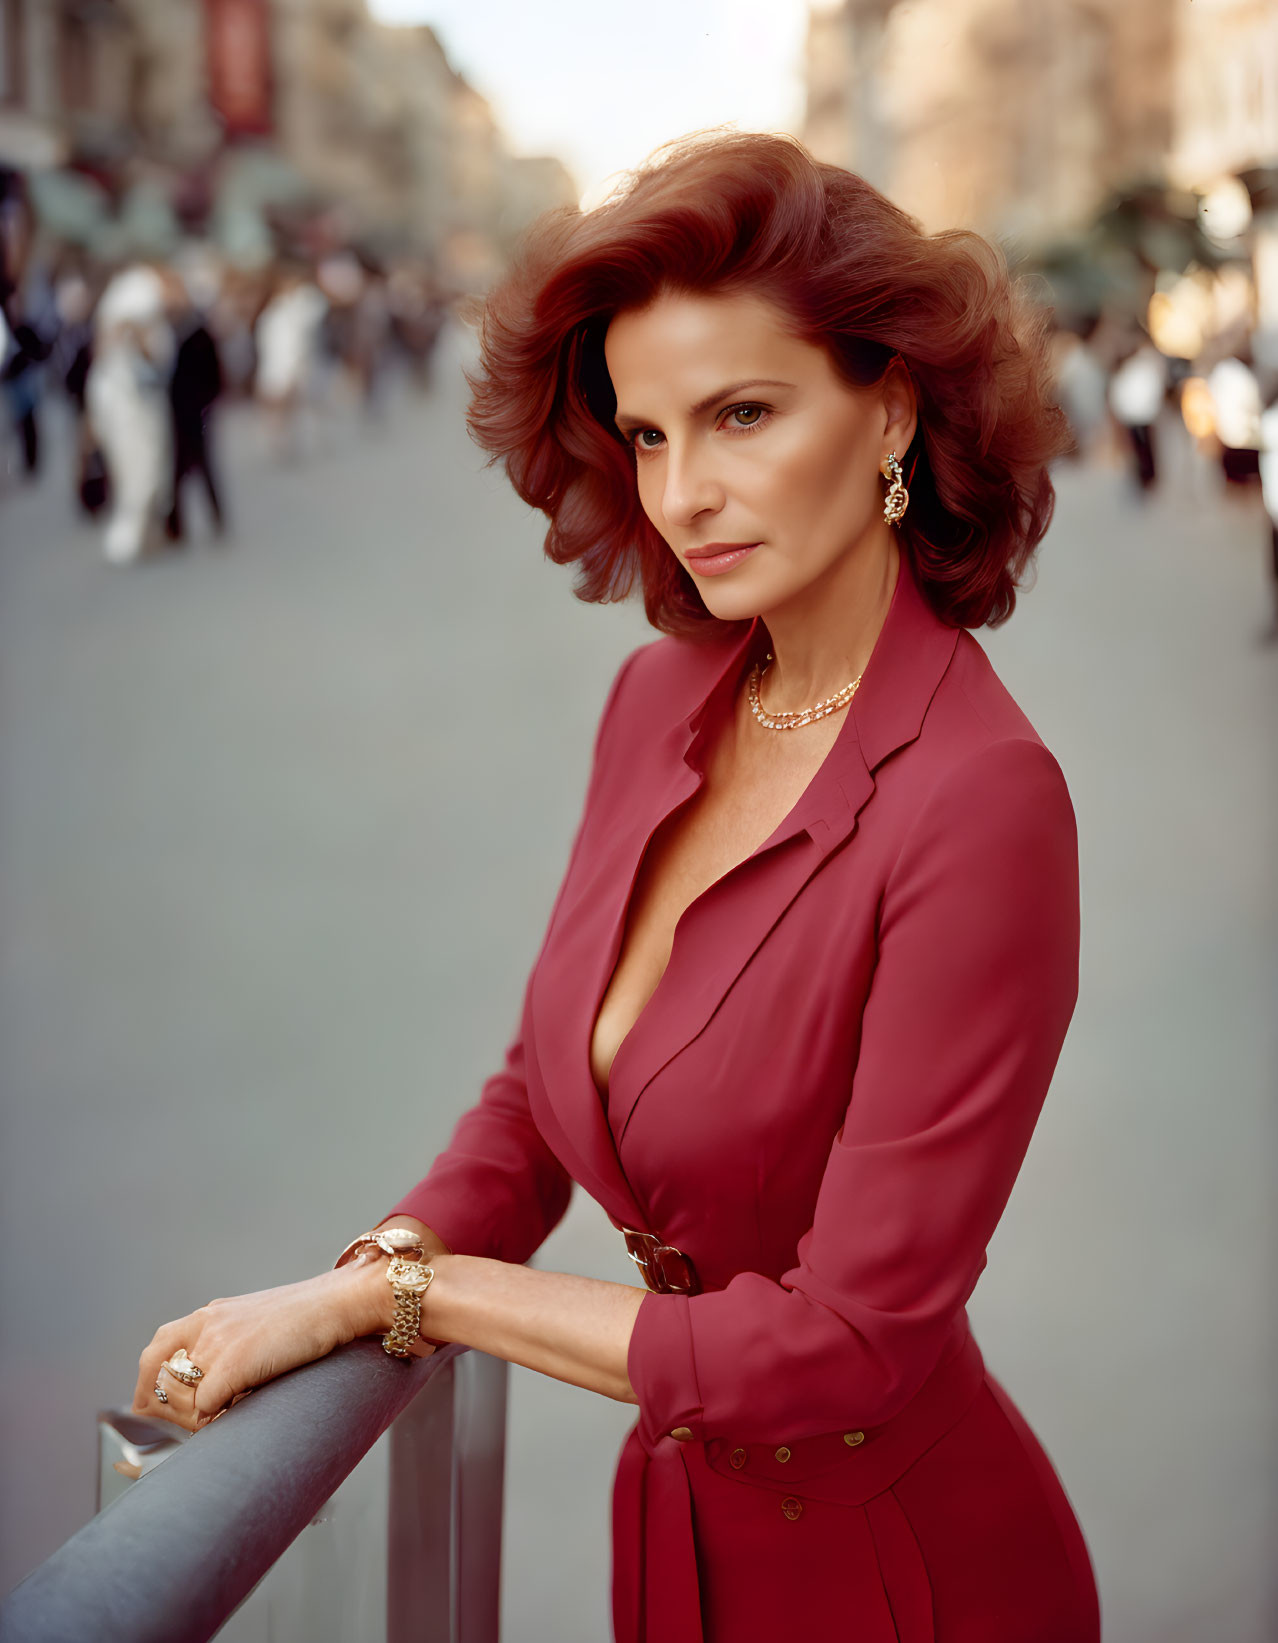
(627, 424)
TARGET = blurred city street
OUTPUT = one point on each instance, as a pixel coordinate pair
(282, 817)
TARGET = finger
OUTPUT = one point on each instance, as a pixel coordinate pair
(170, 1400)
(162, 1391)
(146, 1400)
(213, 1396)
(165, 1341)
(200, 1403)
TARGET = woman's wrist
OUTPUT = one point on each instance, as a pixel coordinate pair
(366, 1302)
(369, 1298)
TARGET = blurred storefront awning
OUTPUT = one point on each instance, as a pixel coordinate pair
(70, 206)
(1086, 275)
(255, 184)
(1140, 235)
(74, 208)
(1158, 227)
(148, 226)
(259, 175)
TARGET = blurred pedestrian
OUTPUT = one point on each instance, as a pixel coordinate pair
(194, 388)
(369, 339)
(128, 406)
(31, 321)
(241, 296)
(287, 335)
(22, 381)
(28, 323)
(1196, 478)
(341, 277)
(7, 347)
(417, 314)
(72, 356)
(1236, 396)
(1080, 387)
(1268, 460)
(1137, 390)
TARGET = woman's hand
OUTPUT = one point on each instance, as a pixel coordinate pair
(242, 1342)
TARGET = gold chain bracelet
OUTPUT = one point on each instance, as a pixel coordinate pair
(409, 1280)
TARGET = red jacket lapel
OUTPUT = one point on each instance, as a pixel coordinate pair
(684, 685)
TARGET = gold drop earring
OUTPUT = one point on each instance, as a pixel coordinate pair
(898, 498)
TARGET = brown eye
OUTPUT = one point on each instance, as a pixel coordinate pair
(755, 413)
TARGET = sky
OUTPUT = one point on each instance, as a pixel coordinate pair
(601, 83)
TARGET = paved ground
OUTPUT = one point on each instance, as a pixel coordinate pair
(279, 829)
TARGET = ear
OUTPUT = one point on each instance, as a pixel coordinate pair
(900, 407)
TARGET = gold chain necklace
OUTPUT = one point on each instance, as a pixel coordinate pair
(795, 717)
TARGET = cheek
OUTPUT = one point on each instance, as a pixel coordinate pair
(648, 488)
(812, 481)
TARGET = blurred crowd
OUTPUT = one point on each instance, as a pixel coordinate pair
(1218, 410)
(144, 352)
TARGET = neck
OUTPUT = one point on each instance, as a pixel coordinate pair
(823, 640)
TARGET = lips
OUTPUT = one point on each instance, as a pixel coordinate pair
(713, 549)
(714, 561)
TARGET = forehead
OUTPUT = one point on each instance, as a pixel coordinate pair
(680, 336)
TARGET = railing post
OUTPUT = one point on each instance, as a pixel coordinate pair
(480, 1441)
(444, 1562)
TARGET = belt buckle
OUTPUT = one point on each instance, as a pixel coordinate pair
(666, 1270)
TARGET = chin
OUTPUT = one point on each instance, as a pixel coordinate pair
(738, 606)
(751, 597)
(734, 595)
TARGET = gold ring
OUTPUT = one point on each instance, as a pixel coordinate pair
(182, 1369)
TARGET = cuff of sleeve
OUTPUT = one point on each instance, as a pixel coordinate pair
(462, 1227)
(662, 1370)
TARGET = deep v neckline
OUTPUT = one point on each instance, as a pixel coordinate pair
(721, 704)
(618, 940)
(718, 708)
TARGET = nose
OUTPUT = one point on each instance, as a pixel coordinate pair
(691, 487)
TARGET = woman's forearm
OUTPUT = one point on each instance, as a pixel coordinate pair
(576, 1329)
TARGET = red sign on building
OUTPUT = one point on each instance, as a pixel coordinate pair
(238, 51)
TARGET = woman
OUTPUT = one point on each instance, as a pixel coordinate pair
(816, 949)
(287, 336)
(127, 398)
(1137, 391)
(1235, 393)
(1268, 464)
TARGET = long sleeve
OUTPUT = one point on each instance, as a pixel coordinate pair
(974, 986)
(497, 1190)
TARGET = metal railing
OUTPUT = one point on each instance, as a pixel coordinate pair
(174, 1556)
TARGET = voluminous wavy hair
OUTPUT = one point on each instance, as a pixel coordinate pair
(852, 272)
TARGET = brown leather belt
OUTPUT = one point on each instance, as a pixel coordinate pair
(665, 1269)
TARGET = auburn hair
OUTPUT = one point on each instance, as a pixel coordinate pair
(729, 211)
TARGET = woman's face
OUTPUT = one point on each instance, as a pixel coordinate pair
(744, 434)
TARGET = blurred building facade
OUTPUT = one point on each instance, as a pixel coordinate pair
(271, 100)
(66, 78)
(1226, 88)
(1019, 117)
